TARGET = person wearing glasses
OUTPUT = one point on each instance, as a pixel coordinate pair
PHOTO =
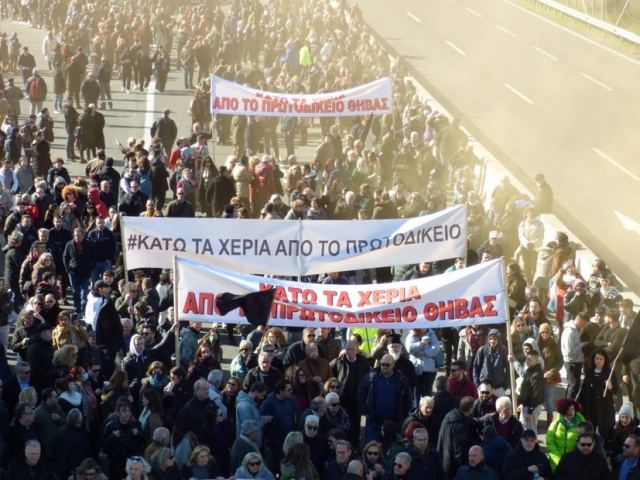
(583, 463)
(163, 466)
(626, 465)
(137, 468)
(336, 469)
(401, 468)
(253, 467)
(486, 404)
(88, 470)
(240, 364)
(384, 394)
(18, 382)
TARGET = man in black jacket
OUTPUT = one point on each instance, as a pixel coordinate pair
(198, 416)
(349, 369)
(133, 203)
(30, 465)
(166, 130)
(456, 437)
(71, 117)
(583, 463)
(40, 357)
(78, 260)
(180, 207)
(526, 460)
(531, 395)
(71, 445)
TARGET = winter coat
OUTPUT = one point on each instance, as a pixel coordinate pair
(40, 357)
(423, 356)
(495, 451)
(561, 437)
(597, 409)
(263, 474)
(367, 396)
(78, 261)
(454, 441)
(484, 368)
(240, 448)
(108, 327)
(517, 462)
(71, 445)
(479, 472)
(246, 409)
(425, 467)
(532, 388)
(577, 465)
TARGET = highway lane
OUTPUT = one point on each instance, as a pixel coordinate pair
(548, 99)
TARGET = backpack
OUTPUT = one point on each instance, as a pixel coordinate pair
(36, 90)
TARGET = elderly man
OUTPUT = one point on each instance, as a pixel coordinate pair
(476, 468)
(401, 468)
(297, 351)
(384, 394)
(245, 443)
(264, 373)
(30, 467)
(349, 368)
(315, 367)
(425, 461)
(424, 414)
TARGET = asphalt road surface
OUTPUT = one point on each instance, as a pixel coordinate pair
(543, 98)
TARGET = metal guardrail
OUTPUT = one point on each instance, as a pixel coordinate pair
(595, 22)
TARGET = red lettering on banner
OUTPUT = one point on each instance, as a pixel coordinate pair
(280, 295)
(461, 308)
(446, 308)
(225, 103)
(343, 300)
(489, 310)
(431, 311)
(476, 308)
(365, 298)
(205, 303)
(190, 304)
(330, 295)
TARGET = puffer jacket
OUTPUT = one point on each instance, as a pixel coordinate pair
(423, 356)
(561, 437)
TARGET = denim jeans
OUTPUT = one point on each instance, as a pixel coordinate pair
(188, 76)
(80, 290)
(57, 102)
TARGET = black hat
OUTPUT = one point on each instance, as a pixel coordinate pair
(528, 433)
(101, 284)
(395, 338)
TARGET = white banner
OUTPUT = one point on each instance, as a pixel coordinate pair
(473, 295)
(235, 99)
(290, 247)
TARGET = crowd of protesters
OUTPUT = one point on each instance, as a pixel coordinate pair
(98, 390)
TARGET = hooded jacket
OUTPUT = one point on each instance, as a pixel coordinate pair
(492, 364)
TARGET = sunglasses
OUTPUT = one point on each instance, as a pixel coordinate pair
(385, 364)
(334, 404)
(398, 465)
(373, 453)
(254, 464)
(26, 372)
(626, 445)
(484, 392)
(586, 444)
(310, 427)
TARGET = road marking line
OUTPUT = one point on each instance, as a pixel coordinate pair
(522, 96)
(545, 53)
(414, 17)
(457, 49)
(575, 34)
(616, 164)
(597, 82)
(149, 115)
(505, 30)
(474, 12)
